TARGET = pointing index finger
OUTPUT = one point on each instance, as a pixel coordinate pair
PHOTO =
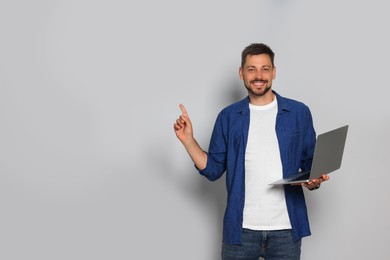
(183, 109)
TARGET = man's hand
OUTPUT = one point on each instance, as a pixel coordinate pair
(183, 131)
(183, 126)
(315, 183)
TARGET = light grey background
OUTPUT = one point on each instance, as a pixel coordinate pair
(90, 167)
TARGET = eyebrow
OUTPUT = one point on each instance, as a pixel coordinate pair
(264, 66)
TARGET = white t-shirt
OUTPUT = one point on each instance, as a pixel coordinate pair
(265, 205)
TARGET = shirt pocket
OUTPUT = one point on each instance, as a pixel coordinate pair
(294, 142)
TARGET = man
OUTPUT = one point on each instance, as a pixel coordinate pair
(256, 141)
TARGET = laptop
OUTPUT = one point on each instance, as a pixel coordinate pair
(327, 157)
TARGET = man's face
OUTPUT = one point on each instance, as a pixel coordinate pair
(258, 74)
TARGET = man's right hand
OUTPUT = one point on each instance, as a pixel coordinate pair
(183, 131)
(183, 126)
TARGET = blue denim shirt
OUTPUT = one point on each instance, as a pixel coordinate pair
(296, 137)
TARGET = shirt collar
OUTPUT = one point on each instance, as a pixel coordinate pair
(243, 106)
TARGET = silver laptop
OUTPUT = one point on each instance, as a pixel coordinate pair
(328, 154)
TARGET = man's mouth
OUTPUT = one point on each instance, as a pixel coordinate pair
(259, 83)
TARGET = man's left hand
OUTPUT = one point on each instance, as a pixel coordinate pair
(315, 183)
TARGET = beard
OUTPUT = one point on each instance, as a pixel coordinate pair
(258, 93)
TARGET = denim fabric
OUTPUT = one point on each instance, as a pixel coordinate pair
(270, 245)
(296, 137)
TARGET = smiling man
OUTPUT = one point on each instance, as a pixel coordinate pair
(256, 141)
(258, 72)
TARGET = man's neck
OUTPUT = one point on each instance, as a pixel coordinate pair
(263, 100)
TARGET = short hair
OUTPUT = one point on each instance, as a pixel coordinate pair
(257, 49)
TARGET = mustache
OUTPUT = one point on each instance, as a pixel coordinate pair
(259, 80)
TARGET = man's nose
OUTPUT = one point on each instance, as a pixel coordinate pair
(259, 74)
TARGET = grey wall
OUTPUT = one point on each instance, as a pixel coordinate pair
(90, 167)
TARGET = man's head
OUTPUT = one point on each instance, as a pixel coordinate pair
(257, 70)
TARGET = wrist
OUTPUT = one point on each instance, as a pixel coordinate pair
(316, 187)
(189, 142)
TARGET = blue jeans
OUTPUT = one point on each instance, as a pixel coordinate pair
(270, 245)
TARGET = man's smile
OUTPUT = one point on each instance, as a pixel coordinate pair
(259, 83)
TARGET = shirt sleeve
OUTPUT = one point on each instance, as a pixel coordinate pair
(216, 156)
(309, 142)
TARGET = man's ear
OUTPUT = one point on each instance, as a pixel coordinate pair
(274, 73)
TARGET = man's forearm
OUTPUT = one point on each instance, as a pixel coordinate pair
(198, 156)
